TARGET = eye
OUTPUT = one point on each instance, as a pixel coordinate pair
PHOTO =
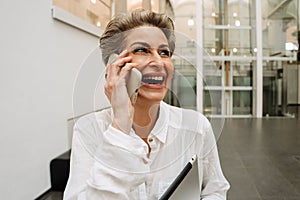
(165, 53)
(141, 50)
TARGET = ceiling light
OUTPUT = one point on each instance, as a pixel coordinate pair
(190, 22)
(213, 14)
(213, 50)
(234, 14)
(94, 1)
(234, 50)
(237, 23)
(98, 24)
(255, 50)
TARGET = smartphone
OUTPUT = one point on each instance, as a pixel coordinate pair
(133, 81)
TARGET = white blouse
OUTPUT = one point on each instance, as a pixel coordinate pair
(109, 164)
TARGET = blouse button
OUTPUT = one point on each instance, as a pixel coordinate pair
(150, 139)
(145, 161)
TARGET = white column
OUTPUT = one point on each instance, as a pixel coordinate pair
(259, 62)
(119, 6)
(146, 4)
(199, 60)
(162, 6)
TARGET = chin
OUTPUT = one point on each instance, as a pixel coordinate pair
(154, 96)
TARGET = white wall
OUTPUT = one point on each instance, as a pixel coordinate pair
(40, 58)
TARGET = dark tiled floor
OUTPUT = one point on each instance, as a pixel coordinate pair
(259, 157)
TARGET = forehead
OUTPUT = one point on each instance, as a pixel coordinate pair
(151, 35)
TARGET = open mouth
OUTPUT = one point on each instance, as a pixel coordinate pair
(147, 79)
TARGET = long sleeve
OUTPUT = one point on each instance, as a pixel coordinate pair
(105, 163)
(214, 184)
(109, 164)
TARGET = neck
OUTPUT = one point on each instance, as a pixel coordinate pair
(145, 116)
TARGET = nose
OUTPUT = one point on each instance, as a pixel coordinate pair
(156, 59)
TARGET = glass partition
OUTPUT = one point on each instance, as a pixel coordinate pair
(280, 45)
(228, 33)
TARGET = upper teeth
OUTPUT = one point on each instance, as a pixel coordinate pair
(158, 78)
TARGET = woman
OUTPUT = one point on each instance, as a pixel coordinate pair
(135, 149)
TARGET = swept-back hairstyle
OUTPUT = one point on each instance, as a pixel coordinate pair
(114, 36)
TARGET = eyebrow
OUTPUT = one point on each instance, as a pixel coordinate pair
(147, 45)
(140, 43)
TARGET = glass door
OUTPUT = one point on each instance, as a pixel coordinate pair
(280, 25)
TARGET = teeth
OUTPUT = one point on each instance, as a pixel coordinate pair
(153, 79)
(157, 78)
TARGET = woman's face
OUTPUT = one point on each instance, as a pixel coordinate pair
(148, 47)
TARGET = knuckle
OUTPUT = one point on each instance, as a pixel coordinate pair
(111, 84)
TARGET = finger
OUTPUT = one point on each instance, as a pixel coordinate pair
(121, 59)
(111, 59)
(114, 68)
(128, 66)
(124, 53)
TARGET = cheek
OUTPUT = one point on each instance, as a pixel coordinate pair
(169, 67)
(170, 71)
(140, 59)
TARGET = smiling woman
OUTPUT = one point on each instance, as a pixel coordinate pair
(135, 150)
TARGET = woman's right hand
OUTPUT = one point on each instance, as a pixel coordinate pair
(115, 90)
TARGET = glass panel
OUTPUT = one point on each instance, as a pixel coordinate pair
(212, 102)
(184, 80)
(183, 89)
(228, 31)
(242, 74)
(272, 84)
(213, 73)
(227, 28)
(238, 43)
(280, 27)
(242, 102)
(222, 14)
(187, 91)
(270, 104)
